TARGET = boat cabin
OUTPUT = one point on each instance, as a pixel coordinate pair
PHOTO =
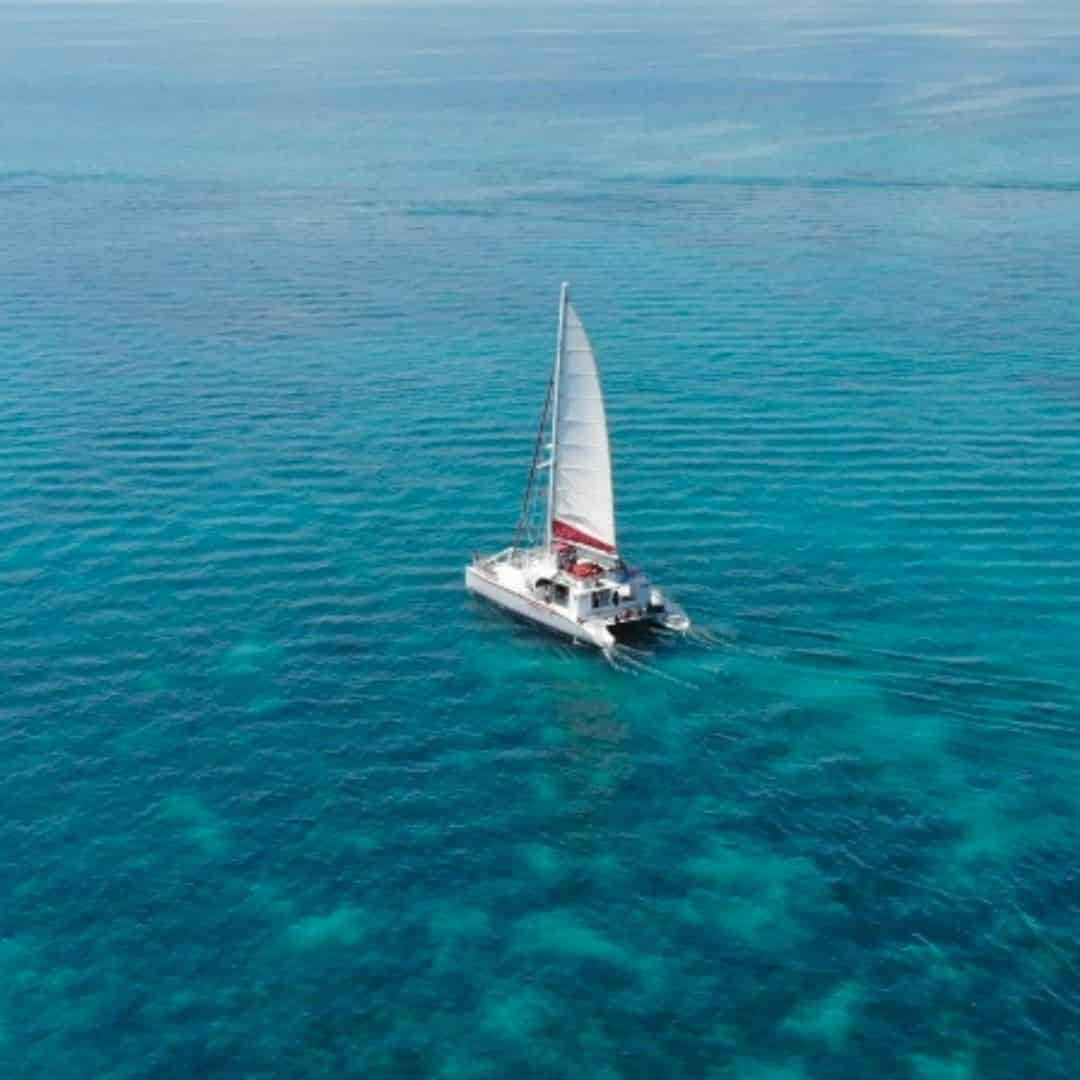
(585, 588)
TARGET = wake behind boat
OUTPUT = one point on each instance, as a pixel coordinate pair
(566, 573)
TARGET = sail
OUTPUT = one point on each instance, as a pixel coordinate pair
(583, 505)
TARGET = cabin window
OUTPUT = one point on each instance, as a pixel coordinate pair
(562, 595)
(600, 598)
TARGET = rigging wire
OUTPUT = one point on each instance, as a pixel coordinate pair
(530, 488)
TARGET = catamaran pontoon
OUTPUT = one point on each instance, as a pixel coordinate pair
(572, 580)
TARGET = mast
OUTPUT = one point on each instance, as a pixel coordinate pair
(555, 413)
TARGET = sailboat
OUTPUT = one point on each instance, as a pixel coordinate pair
(564, 572)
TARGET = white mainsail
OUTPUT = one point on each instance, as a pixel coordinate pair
(582, 504)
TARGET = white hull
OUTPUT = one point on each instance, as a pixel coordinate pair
(486, 584)
(532, 585)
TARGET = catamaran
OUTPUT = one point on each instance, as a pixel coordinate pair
(565, 572)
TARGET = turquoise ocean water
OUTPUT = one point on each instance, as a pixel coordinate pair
(277, 306)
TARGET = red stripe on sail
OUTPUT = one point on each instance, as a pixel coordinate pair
(576, 536)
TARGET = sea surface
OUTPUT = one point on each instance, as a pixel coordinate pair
(278, 288)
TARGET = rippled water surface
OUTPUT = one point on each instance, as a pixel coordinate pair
(277, 305)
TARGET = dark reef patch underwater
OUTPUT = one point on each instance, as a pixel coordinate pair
(280, 800)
